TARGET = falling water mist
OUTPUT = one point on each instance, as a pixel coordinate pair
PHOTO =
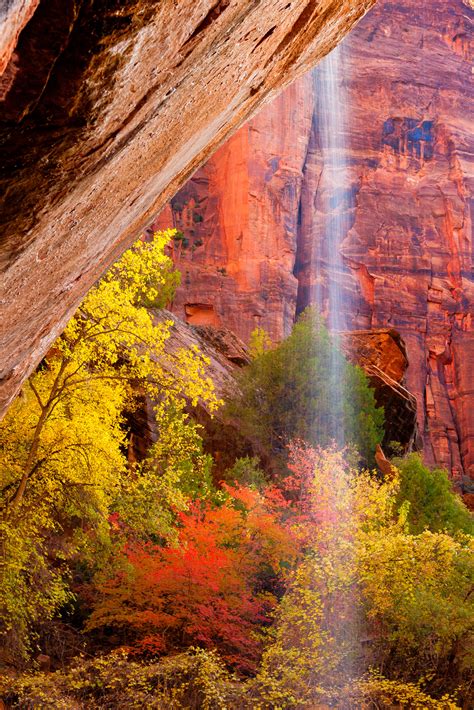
(340, 617)
(333, 188)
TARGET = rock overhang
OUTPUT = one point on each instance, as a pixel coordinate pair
(105, 113)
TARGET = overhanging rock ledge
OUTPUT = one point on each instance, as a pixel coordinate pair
(106, 109)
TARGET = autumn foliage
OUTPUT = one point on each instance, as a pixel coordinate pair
(310, 583)
(214, 586)
(63, 463)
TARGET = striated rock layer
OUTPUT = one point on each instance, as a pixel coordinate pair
(106, 108)
(409, 248)
(225, 353)
(239, 215)
(254, 219)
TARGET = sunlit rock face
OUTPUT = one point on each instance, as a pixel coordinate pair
(105, 111)
(408, 250)
(239, 215)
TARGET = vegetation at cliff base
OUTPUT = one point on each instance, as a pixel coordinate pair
(370, 612)
(64, 464)
(433, 503)
(287, 392)
(154, 583)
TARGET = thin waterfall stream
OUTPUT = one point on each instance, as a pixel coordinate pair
(334, 181)
(340, 616)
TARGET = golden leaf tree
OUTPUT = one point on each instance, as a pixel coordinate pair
(63, 455)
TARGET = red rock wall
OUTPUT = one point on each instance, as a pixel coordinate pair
(408, 251)
(410, 248)
(239, 214)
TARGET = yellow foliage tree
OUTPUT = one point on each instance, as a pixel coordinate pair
(260, 342)
(63, 458)
(370, 595)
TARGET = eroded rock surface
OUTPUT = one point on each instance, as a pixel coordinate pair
(105, 111)
(382, 355)
(225, 354)
(224, 350)
(409, 249)
(409, 264)
(239, 215)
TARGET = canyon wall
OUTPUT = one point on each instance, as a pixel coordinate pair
(254, 220)
(106, 108)
(239, 216)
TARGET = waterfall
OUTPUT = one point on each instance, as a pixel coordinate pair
(334, 177)
(332, 202)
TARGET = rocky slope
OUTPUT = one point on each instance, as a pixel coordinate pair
(382, 355)
(225, 354)
(254, 219)
(105, 110)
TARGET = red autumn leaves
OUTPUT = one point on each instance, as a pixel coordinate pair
(216, 586)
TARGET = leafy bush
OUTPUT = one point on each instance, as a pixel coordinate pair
(288, 393)
(259, 343)
(211, 587)
(194, 680)
(417, 590)
(197, 680)
(433, 503)
(246, 471)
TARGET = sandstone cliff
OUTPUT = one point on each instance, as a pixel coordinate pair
(105, 110)
(239, 215)
(382, 355)
(254, 220)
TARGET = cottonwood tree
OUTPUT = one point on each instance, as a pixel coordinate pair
(63, 441)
